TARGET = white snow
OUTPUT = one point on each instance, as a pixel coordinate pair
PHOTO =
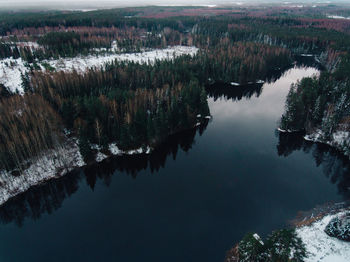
(11, 69)
(286, 130)
(100, 156)
(10, 73)
(51, 164)
(81, 64)
(113, 148)
(134, 151)
(31, 45)
(320, 246)
(338, 138)
(337, 17)
(281, 130)
(257, 237)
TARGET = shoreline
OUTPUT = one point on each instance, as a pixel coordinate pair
(62, 160)
(310, 228)
(319, 245)
(338, 141)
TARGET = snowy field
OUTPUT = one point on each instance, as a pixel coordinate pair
(11, 69)
(320, 246)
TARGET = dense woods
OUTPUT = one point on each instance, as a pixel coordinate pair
(74, 103)
(137, 105)
(100, 107)
(28, 126)
(321, 104)
(280, 245)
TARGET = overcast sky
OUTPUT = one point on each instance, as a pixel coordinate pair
(123, 3)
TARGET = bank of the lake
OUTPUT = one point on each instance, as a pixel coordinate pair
(193, 197)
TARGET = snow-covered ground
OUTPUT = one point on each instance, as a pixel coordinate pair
(338, 139)
(53, 163)
(113, 148)
(10, 73)
(81, 64)
(11, 69)
(337, 17)
(320, 246)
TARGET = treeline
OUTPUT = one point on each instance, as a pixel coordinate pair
(28, 126)
(137, 105)
(50, 196)
(135, 33)
(242, 61)
(131, 104)
(29, 55)
(320, 103)
(280, 245)
(120, 18)
(8, 50)
(73, 41)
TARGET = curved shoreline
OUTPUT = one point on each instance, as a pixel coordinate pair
(339, 138)
(310, 229)
(62, 160)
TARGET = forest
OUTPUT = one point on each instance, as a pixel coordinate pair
(126, 90)
(137, 105)
(321, 105)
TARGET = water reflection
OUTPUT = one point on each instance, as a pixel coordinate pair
(234, 93)
(334, 165)
(195, 208)
(47, 198)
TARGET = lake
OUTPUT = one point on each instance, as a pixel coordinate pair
(192, 199)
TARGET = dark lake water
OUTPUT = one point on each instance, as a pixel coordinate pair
(190, 200)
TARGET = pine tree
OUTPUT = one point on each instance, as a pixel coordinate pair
(84, 147)
(25, 82)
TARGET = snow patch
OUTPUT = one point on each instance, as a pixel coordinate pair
(257, 237)
(81, 64)
(11, 69)
(53, 163)
(320, 246)
(337, 17)
(339, 139)
(100, 157)
(10, 74)
(113, 148)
